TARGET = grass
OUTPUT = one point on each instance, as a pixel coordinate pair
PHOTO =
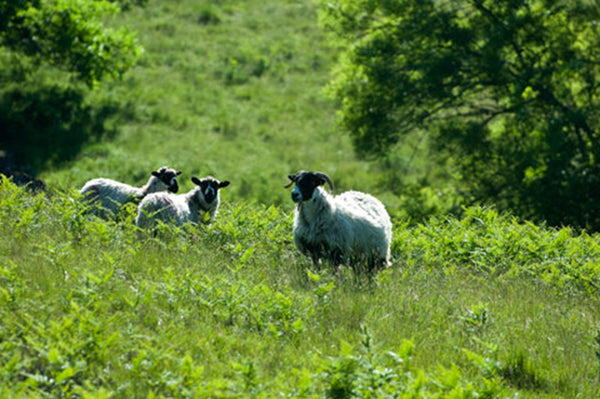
(478, 306)
(92, 308)
(240, 98)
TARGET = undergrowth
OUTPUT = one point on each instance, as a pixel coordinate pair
(478, 307)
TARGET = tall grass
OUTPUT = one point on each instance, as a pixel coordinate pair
(95, 308)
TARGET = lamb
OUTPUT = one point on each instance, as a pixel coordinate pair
(182, 208)
(352, 228)
(111, 195)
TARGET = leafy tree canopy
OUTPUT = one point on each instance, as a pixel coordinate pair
(507, 91)
(69, 34)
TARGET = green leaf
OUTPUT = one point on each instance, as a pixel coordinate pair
(67, 373)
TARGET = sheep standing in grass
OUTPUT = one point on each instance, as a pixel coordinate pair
(352, 228)
(111, 195)
(182, 208)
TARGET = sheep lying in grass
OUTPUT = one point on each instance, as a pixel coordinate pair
(108, 196)
(352, 228)
(182, 208)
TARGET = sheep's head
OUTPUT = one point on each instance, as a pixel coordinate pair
(169, 177)
(209, 187)
(306, 183)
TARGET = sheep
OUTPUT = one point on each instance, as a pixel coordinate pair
(182, 208)
(352, 228)
(111, 195)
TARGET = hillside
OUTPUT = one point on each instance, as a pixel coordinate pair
(481, 306)
(228, 88)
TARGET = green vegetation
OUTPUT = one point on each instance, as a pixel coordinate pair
(228, 88)
(484, 305)
(47, 48)
(67, 34)
(505, 95)
(477, 307)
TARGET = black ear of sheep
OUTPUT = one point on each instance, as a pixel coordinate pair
(224, 184)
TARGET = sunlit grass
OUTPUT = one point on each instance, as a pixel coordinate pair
(233, 310)
(241, 98)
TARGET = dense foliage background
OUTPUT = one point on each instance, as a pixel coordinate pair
(506, 94)
(48, 50)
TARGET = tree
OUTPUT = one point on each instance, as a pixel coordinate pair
(69, 34)
(44, 119)
(507, 92)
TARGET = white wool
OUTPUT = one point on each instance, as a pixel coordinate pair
(177, 209)
(108, 196)
(351, 228)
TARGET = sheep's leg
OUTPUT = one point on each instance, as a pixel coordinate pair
(315, 261)
(212, 215)
(336, 257)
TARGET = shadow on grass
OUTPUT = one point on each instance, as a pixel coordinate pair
(45, 126)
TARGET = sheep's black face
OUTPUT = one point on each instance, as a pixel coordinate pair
(210, 187)
(169, 177)
(306, 183)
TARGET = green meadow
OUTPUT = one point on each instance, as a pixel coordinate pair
(225, 88)
(480, 305)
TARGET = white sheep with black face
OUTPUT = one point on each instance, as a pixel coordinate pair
(352, 228)
(182, 208)
(107, 196)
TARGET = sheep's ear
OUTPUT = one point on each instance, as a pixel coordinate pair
(155, 173)
(195, 180)
(224, 184)
(178, 173)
